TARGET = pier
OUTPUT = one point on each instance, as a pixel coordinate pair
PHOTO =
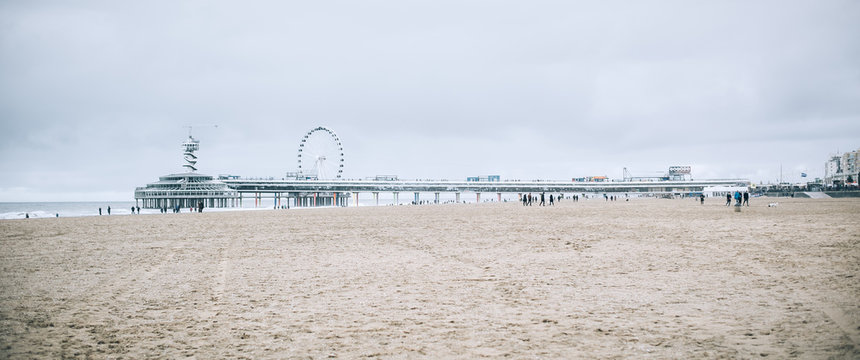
(319, 182)
(303, 193)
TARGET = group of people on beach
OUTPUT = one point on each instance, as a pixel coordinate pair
(134, 209)
(540, 199)
(164, 209)
(740, 199)
(528, 199)
(177, 209)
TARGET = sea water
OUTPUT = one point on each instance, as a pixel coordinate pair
(21, 210)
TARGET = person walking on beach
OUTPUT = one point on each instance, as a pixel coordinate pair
(702, 199)
(728, 199)
(746, 198)
(108, 210)
(542, 202)
(551, 200)
(100, 211)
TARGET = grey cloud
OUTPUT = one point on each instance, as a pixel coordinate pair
(426, 89)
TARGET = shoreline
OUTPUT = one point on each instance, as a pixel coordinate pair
(125, 209)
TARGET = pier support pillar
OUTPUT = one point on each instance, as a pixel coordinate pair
(356, 198)
(376, 197)
(457, 196)
(500, 197)
(315, 199)
(478, 197)
(417, 198)
(436, 201)
(395, 197)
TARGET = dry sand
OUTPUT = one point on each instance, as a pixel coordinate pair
(638, 279)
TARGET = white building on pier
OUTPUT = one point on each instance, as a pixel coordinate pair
(188, 189)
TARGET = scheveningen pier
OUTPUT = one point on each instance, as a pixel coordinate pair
(303, 193)
(318, 182)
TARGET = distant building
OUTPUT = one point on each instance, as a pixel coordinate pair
(591, 179)
(849, 164)
(831, 168)
(842, 169)
(679, 173)
(488, 178)
(385, 178)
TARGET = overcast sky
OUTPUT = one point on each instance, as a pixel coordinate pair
(94, 94)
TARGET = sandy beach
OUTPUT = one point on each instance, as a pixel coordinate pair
(646, 278)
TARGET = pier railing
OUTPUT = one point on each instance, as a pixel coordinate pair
(474, 186)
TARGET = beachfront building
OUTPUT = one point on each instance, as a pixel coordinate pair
(842, 169)
(722, 190)
(188, 189)
(487, 178)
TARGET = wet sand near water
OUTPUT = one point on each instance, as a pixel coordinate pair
(646, 278)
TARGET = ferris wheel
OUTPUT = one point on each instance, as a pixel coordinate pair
(321, 155)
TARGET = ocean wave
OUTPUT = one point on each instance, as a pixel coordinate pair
(24, 214)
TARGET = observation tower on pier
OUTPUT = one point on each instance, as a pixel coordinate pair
(188, 189)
